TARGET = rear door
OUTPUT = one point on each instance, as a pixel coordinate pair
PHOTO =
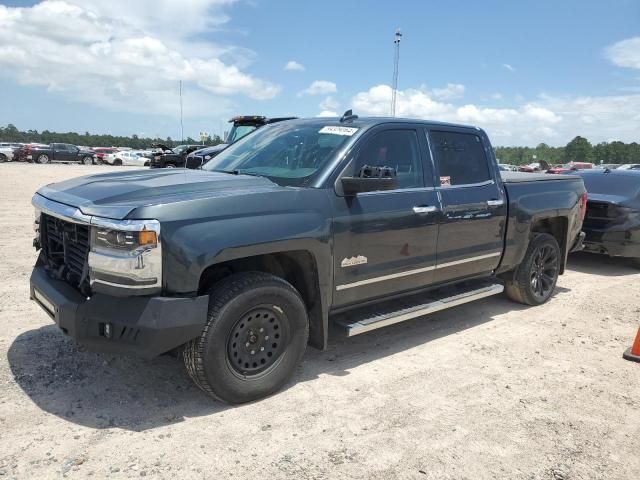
(473, 222)
(385, 241)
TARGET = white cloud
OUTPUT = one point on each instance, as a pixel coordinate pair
(506, 66)
(625, 53)
(319, 87)
(329, 103)
(294, 66)
(554, 120)
(327, 113)
(452, 90)
(123, 56)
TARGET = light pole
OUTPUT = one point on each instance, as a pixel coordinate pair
(396, 60)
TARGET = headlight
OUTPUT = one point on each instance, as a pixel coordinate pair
(125, 255)
(122, 239)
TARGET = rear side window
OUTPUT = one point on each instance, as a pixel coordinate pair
(398, 149)
(460, 158)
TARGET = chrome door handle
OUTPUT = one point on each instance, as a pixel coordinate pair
(495, 203)
(429, 209)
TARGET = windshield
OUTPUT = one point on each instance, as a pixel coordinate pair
(239, 131)
(179, 149)
(288, 154)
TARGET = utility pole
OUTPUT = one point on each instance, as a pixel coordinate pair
(396, 60)
(181, 124)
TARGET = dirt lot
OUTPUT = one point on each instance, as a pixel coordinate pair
(486, 390)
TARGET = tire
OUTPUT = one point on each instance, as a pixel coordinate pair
(42, 159)
(3, 158)
(170, 165)
(117, 162)
(280, 328)
(534, 280)
(87, 160)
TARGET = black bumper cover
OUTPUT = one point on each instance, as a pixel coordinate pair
(141, 326)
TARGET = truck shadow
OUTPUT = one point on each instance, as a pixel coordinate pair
(594, 264)
(105, 391)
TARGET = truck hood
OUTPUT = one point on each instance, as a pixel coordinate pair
(117, 195)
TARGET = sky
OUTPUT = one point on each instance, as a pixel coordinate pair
(526, 72)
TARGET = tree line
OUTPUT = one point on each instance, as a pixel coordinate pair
(577, 150)
(11, 134)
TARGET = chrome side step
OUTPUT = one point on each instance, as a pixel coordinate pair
(371, 318)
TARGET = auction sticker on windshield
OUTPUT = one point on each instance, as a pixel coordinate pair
(348, 131)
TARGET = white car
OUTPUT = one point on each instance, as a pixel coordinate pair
(129, 158)
(6, 154)
(629, 166)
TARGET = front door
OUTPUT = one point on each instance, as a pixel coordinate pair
(385, 241)
(471, 235)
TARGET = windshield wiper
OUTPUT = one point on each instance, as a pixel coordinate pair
(236, 172)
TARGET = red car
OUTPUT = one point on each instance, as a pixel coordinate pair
(101, 152)
(571, 166)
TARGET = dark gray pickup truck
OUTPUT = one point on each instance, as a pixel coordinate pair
(357, 222)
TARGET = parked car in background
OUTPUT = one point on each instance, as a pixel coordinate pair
(6, 153)
(60, 152)
(540, 166)
(505, 167)
(100, 153)
(242, 126)
(629, 166)
(612, 222)
(175, 158)
(23, 153)
(569, 167)
(128, 158)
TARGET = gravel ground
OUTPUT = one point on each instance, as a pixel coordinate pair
(486, 390)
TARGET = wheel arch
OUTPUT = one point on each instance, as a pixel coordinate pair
(298, 267)
(557, 227)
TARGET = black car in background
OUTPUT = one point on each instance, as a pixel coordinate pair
(174, 158)
(612, 222)
(242, 126)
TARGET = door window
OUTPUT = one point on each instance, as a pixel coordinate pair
(460, 158)
(398, 149)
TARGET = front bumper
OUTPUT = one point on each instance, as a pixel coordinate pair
(141, 326)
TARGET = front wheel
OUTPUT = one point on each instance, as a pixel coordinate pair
(256, 333)
(3, 158)
(170, 165)
(535, 278)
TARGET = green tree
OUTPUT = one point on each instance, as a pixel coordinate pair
(579, 150)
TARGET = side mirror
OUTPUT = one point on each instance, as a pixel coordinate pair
(370, 179)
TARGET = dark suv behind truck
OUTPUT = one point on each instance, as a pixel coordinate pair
(358, 222)
(60, 152)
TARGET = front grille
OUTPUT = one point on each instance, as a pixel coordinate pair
(66, 248)
(601, 215)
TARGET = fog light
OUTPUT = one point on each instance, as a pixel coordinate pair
(107, 330)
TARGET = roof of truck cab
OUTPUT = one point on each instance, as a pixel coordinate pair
(372, 121)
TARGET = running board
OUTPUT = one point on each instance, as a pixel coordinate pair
(355, 322)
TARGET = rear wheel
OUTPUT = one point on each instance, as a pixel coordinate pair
(117, 162)
(255, 336)
(535, 278)
(3, 157)
(42, 159)
(87, 160)
(170, 165)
